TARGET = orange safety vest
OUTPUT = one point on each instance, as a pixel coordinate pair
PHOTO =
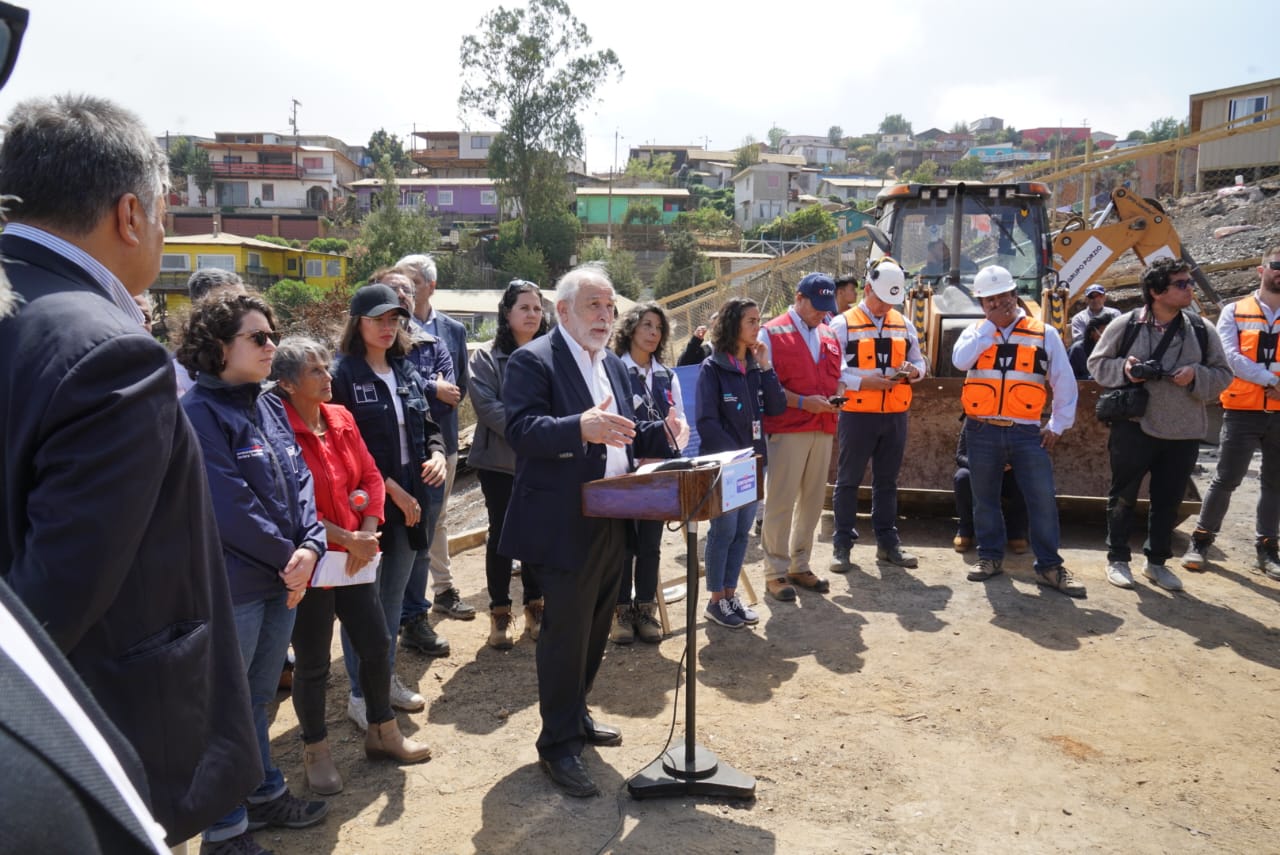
(876, 352)
(1257, 343)
(1008, 380)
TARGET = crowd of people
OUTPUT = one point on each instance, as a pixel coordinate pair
(292, 484)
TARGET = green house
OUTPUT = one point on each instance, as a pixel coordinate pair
(596, 206)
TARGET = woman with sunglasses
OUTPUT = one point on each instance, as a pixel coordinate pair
(377, 383)
(641, 340)
(350, 501)
(265, 506)
(520, 321)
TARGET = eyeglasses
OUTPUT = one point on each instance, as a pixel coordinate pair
(1274, 265)
(1181, 284)
(260, 337)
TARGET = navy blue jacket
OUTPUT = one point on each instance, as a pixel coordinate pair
(657, 404)
(430, 358)
(729, 401)
(262, 492)
(544, 396)
(454, 336)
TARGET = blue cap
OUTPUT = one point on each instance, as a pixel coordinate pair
(820, 289)
(1094, 289)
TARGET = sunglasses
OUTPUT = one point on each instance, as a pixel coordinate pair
(1274, 265)
(260, 337)
(1180, 284)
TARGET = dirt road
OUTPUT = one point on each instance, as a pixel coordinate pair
(906, 711)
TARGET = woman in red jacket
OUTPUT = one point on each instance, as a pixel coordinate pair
(350, 497)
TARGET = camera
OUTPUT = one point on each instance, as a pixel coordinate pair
(1149, 370)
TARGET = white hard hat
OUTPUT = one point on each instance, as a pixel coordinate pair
(993, 280)
(888, 282)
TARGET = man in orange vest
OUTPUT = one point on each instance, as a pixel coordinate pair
(1251, 419)
(1010, 358)
(881, 361)
(807, 360)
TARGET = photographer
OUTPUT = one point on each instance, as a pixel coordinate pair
(1178, 360)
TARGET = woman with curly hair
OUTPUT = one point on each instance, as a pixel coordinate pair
(640, 338)
(520, 321)
(265, 506)
(737, 387)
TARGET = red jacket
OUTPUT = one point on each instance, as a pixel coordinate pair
(338, 467)
(799, 374)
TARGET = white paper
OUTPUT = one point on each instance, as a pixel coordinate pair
(331, 571)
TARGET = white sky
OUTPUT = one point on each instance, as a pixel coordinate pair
(708, 71)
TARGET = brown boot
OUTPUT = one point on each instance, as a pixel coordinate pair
(622, 630)
(500, 635)
(384, 739)
(648, 627)
(533, 618)
(322, 775)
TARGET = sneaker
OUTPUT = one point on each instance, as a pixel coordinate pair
(985, 569)
(1268, 561)
(623, 628)
(404, 698)
(840, 559)
(721, 612)
(780, 590)
(895, 556)
(1060, 578)
(500, 635)
(533, 618)
(748, 614)
(286, 811)
(1194, 559)
(357, 713)
(644, 618)
(962, 543)
(418, 635)
(450, 603)
(1119, 574)
(241, 844)
(1162, 576)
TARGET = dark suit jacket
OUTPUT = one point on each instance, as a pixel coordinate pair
(107, 534)
(544, 396)
(56, 795)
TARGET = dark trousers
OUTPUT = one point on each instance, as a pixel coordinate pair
(578, 608)
(880, 438)
(360, 611)
(1133, 455)
(640, 563)
(1244, 433)
(1011, 502)
(496, 487)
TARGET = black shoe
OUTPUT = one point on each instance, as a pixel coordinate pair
(286, 811)
(599, 733)
(570, 775)
(450, 603)
(418, 635)
(840, 564)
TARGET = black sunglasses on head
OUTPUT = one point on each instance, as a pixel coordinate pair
(13, 23)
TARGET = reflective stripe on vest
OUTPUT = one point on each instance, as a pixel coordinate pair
(876, 353)
(1257, 341)
(1008, 380)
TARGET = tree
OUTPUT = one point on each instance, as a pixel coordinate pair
(1165, 129)
(388, 233)
(618, 263)
(530, 71)
(527, 262)
(880, 161)
(555, 234)
(707, 219)
(201, 172)
(1140, 136)
(835, 134)
(811, 223)
(288, 297)
(775, 136)
(895, 124)
(969, 168)
(748, 154)
(685, 266)
(925, 173)
(644, 213)
(179, 159)
(960, 127)
(656, 169)
(383, 144)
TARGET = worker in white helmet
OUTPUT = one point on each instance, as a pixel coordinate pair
(1011, 360)
(881, 359)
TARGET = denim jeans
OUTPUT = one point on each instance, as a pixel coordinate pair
(640, 563)
(990, 448)
(1243, 433)
(1133, 455)
(881, 439)
(263, 628)
(414, 602)
(393, 573)
(1015, 509)
(727, 546)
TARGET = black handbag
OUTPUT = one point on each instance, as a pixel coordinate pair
(1118, 405)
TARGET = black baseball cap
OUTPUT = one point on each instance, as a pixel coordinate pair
(375, 300)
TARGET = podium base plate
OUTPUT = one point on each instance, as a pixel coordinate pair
(672, 775)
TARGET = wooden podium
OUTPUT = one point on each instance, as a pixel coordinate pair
(688, 496)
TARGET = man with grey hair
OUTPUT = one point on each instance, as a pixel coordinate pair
(444, 394)
(105, 491)
(569, 421)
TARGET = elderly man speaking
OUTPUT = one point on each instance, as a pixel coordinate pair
(569, 421)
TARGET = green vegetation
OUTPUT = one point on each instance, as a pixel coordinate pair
(388, 233)
(810, 223)
(618, 263)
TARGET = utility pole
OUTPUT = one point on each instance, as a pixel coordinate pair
(608, 239)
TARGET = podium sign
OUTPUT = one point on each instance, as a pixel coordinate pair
(738, 484)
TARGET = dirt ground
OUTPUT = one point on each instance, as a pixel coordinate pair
(904, 712)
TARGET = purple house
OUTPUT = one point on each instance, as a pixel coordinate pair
(450, 199)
